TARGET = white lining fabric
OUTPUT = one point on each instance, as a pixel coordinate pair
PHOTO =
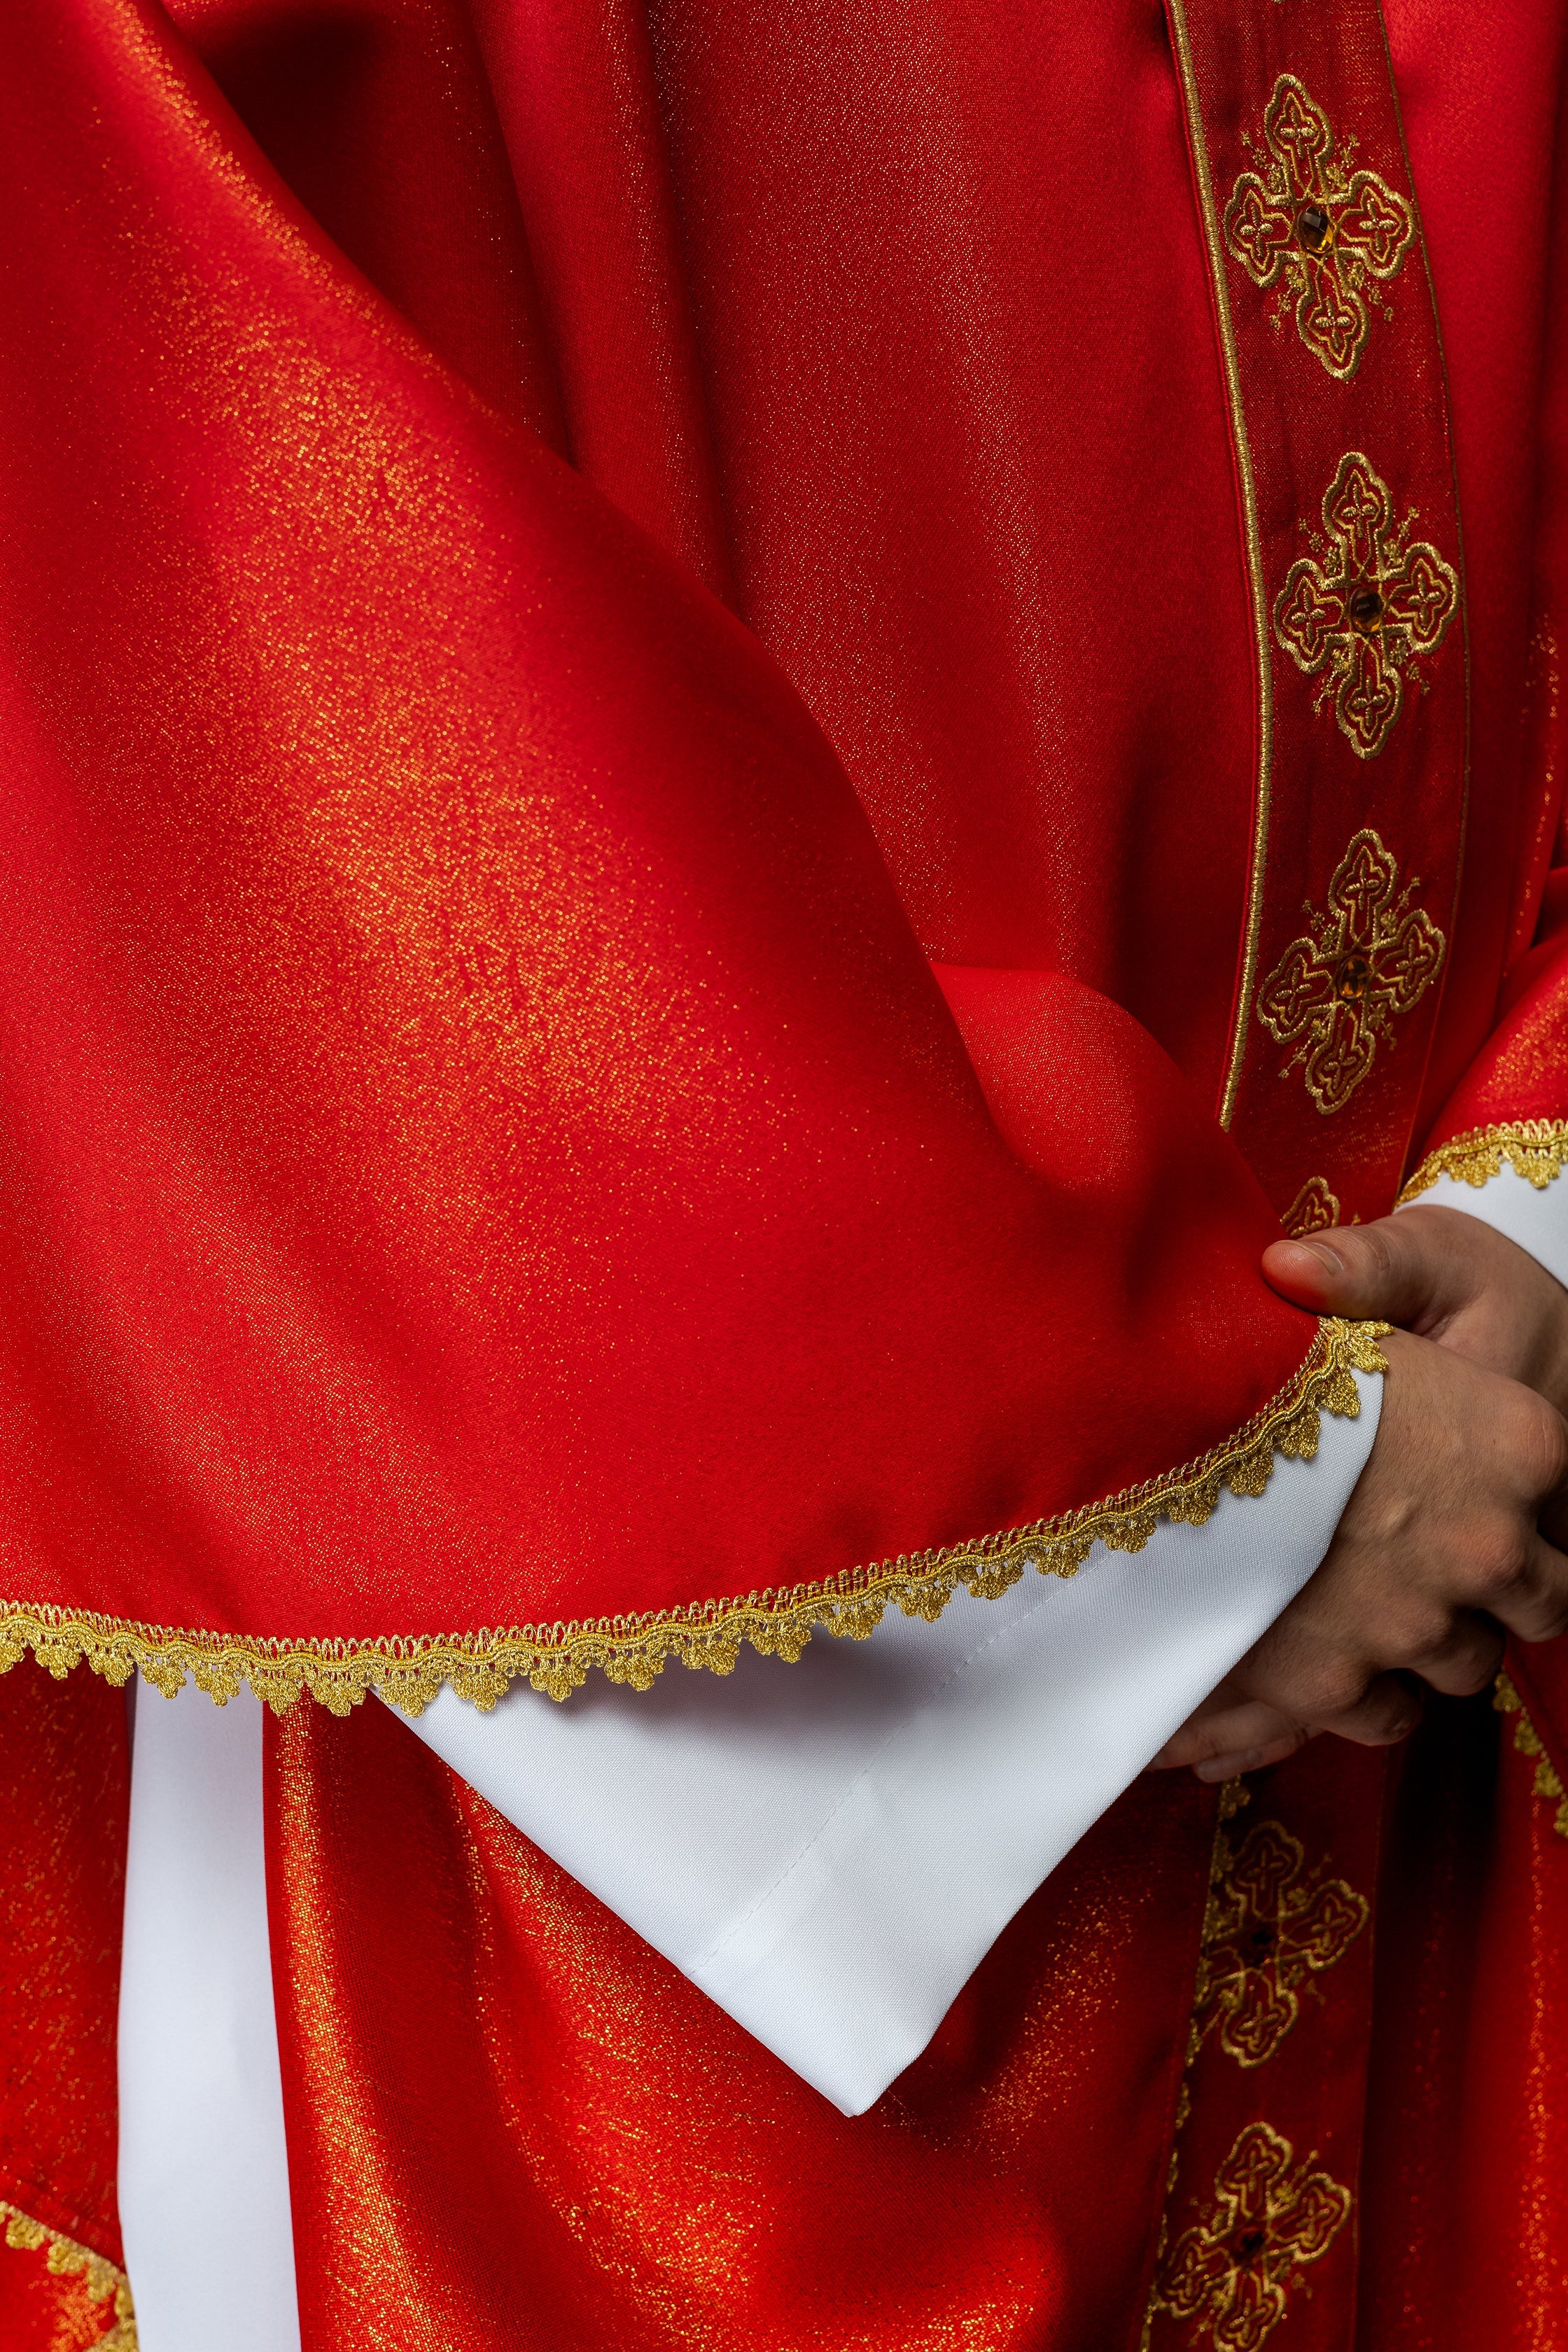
(826, 1849)
(830, 1849)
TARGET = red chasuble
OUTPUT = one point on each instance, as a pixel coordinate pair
(732, 743)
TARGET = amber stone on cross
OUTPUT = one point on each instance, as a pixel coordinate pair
(1311, 226)
(1366, 606)
(1353, 978)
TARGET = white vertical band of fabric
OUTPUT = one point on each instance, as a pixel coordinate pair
(204, 2170)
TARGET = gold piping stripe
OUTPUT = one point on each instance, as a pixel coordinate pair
(1262, 650)
(408, 1670)
(1528, 1741)
(1534, 1148)
(66, 2259)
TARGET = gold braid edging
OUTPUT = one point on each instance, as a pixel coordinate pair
(1534, 1148)
(1528, 1742)
(66, 2259)
(408, 1670)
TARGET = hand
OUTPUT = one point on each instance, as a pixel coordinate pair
(1438, 1550)
(1445, 1275)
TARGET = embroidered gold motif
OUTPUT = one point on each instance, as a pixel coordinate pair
(1362, 615)
(1326, 235)
(1527, 1741)
(1271, 1926)
(1233, 2271)
(1535, 1148)
(1313, 1210)
(66, 2259)
(408, 1671)
(1333, 992)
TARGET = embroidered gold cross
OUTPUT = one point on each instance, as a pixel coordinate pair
(1327, 234)
(1314, 1208)
(1334, 991)
(1270, 1926)
(1233, 2270)
(1368, 608)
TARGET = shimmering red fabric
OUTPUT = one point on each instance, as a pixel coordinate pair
(478, 1117)
(1482, 110)
(1463, 2224)
(551, 557)
(64, 1769)
(512, 2123)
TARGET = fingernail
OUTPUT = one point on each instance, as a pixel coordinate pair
(1328, 1257)
(1225, 1767)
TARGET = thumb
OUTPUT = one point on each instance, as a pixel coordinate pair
(1395, 1269)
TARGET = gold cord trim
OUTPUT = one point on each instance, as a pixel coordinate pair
(408, 1670)
(66, 2259)
(1252, 538)
(1532, 1148)
(1527, 1740)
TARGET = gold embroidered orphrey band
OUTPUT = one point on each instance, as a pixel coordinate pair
(66, 2259)
(1534, 1148)
(407, 1671)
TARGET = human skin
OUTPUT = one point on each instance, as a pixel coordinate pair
(1451, 1533)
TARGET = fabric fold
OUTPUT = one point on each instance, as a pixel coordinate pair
(829, 1852)
(482, 1145)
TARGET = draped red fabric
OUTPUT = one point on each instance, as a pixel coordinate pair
(556, 562)
(63, 1766)
(477, 1117)
(510, 2123)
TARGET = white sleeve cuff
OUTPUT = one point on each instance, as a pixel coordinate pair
(1536, 1217)
(828, 1850)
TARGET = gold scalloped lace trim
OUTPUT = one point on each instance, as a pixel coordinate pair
(66, 2259)
(1528, 1741)
(1532, 1148)
(408, 1670)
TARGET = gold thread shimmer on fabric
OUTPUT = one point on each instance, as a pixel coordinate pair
(1436, 317)
(1361, 617)
(1331, 238)
(1528, 1742)
(66, 2259)
(1313, 1210)
(408, 1670)
(1272, 1927)
(1253, 543)
(1233, 2270)
(1369, 957)
(1233, 1795)
(1535, 1148)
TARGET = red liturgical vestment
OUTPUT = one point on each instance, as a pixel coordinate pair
(733, 742)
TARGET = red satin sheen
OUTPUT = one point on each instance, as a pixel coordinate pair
(481, 1141)
(1464, 2226)
(476, 1115)
(512, 2123)
(63, 1766)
